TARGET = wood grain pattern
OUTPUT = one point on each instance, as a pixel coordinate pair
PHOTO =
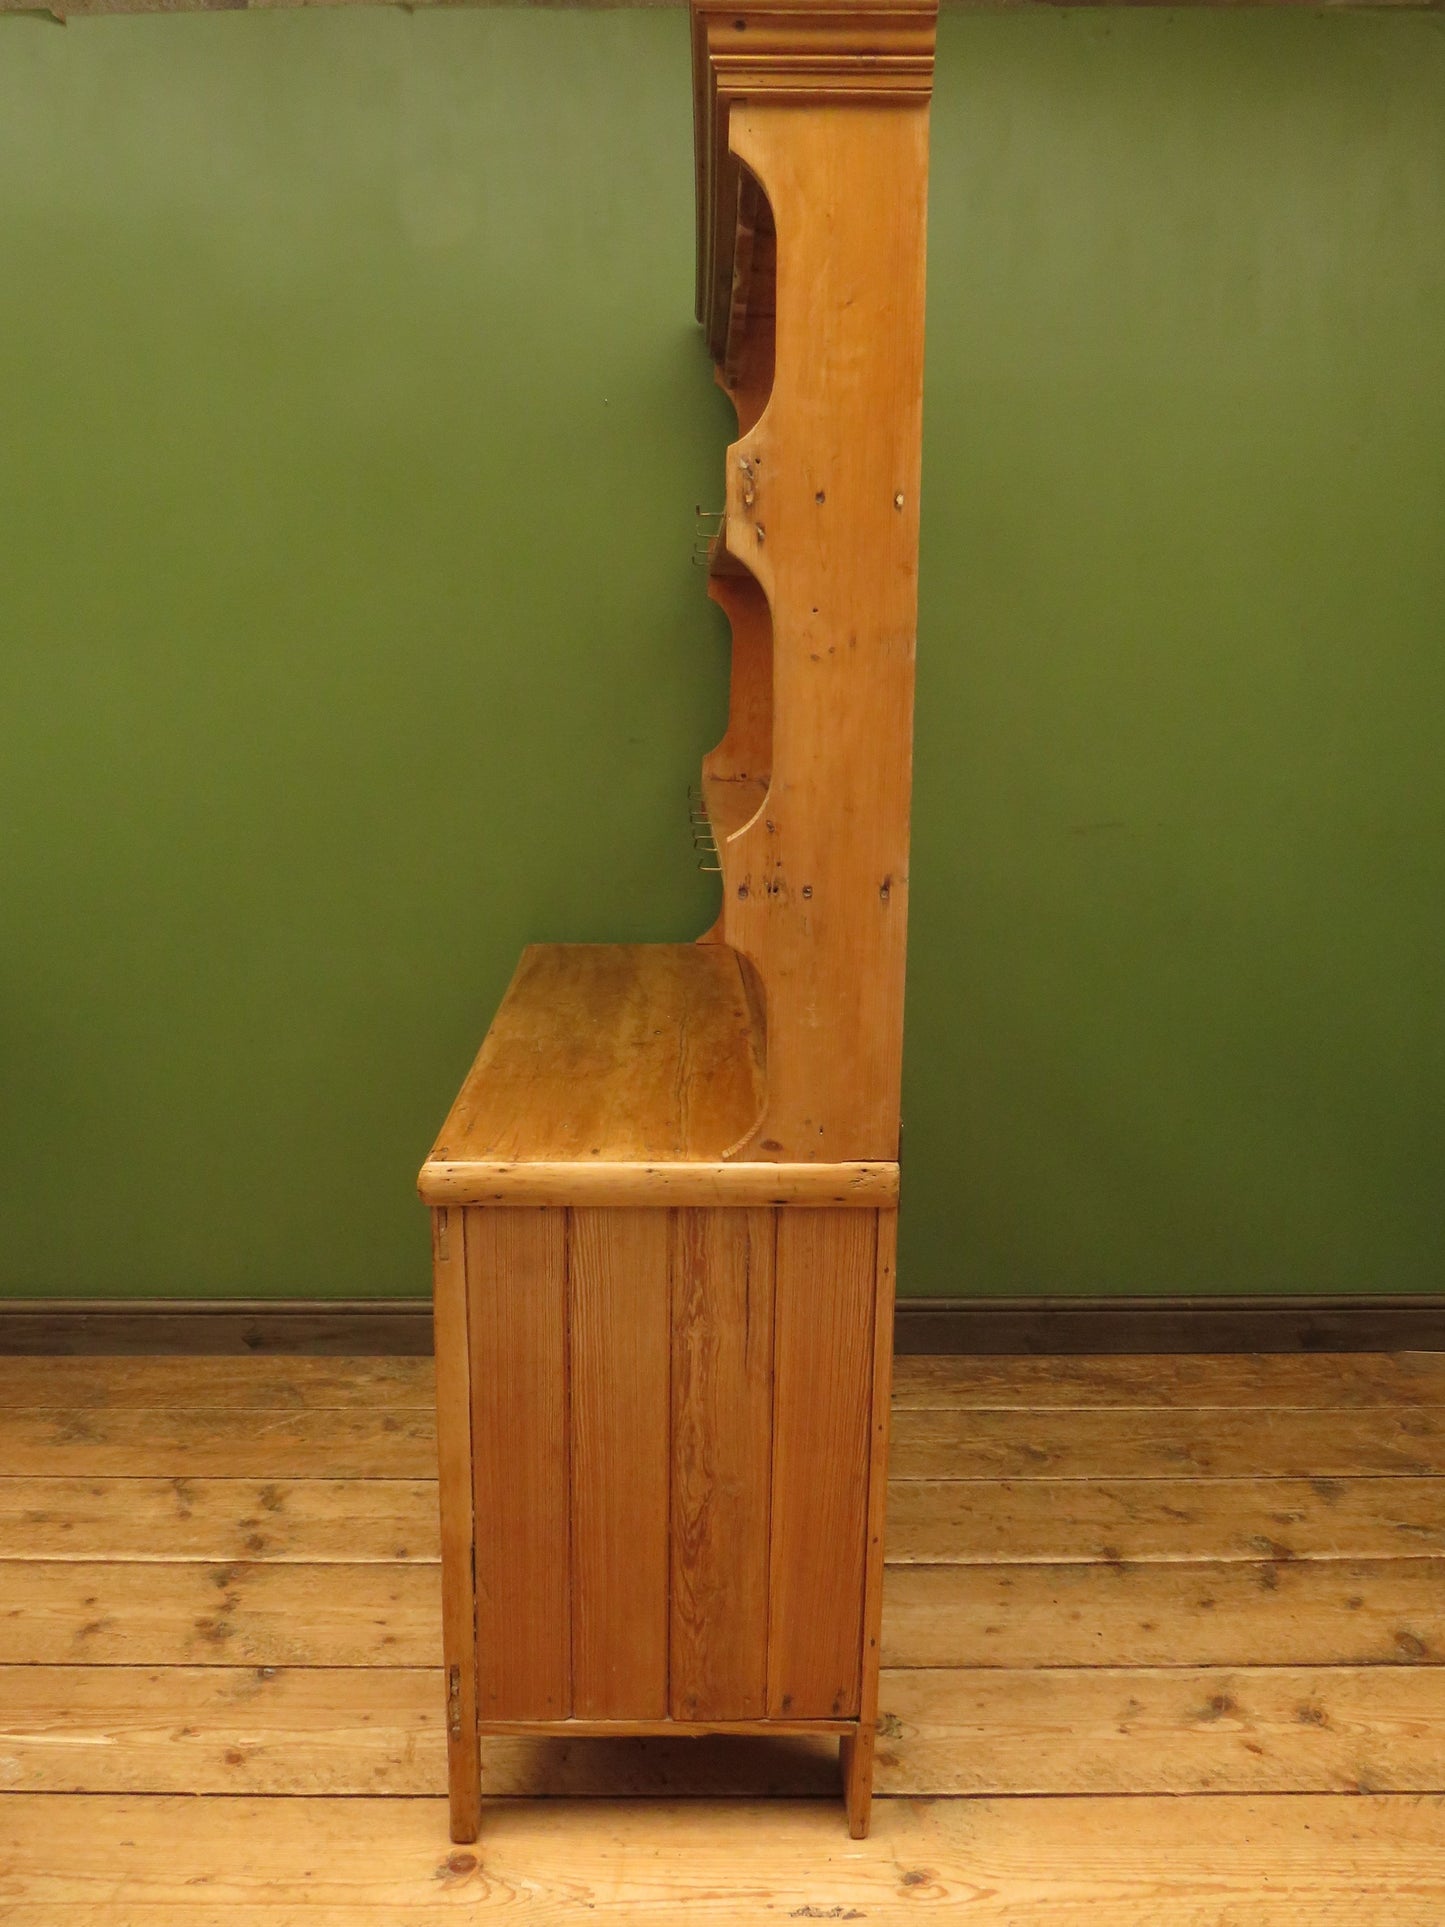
(132, 1442)
(318, 1521)
(218, 1386)
(1245, 1674)
(181, 1729)
(517, 1315)
(815, 886)
(203, 1612)
(856, 1752)
(348, 1441)
(1280, 1861)
(620, 1053)
(455, 1494)
(1384, 1440)
(722, 1397)
(1180, 1730)
(807, 53)
(619, 1378)
(279, 1731)
(1316, 1612)
(565, 1730)
(1306, 1612)
(1200, 1382)
(1129, 1520)
(745, 754)
(822, 1421)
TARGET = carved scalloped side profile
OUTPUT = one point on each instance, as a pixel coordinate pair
(812, 184)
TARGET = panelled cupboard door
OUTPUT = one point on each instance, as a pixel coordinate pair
(671, 1422)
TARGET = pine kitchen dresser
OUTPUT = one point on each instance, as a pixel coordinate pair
(664, 1204)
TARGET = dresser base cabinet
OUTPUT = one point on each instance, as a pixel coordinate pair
(663, 1435)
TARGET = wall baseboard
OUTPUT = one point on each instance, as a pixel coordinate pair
(330, 1327)
(1088, 1326)
(1080, 1327)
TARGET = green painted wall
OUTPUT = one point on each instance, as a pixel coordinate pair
(352, 419)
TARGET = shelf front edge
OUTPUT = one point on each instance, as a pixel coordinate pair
(664, 1729)
(595, 1183)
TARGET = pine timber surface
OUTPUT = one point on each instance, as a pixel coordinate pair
(721, 1393)
(120, 1861)
(625, 1073)
(822, 508)
(1295, 1695)
(618, 1369)
(357, 1443)
(622, 1053)
(517, 1318)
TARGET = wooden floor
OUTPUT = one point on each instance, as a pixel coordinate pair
(1111, 1582)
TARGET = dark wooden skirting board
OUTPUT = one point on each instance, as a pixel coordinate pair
(1102, 1326)
(1078, 1327)
(318, 1327)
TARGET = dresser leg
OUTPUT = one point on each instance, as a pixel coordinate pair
(855, 1750)
(464, 1762)
(465, 1797)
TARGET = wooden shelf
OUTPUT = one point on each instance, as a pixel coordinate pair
(611, 1053)
(624, 1074)
(731, 802)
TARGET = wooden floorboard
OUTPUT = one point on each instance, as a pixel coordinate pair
(1288, 1729)
(1193, 1382)
(1284, 1861)
(232, 1613)
(150, 1442)
(1385, 1441)
(959, 1522)
(251, 1613)
(1108, 1521)
(317, 1521)
(379, 1442)
(221, 1385)
(1188, 1614)
(1196, 1382)
(277, 1731)
(280, 1730)
(1308, 1612)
